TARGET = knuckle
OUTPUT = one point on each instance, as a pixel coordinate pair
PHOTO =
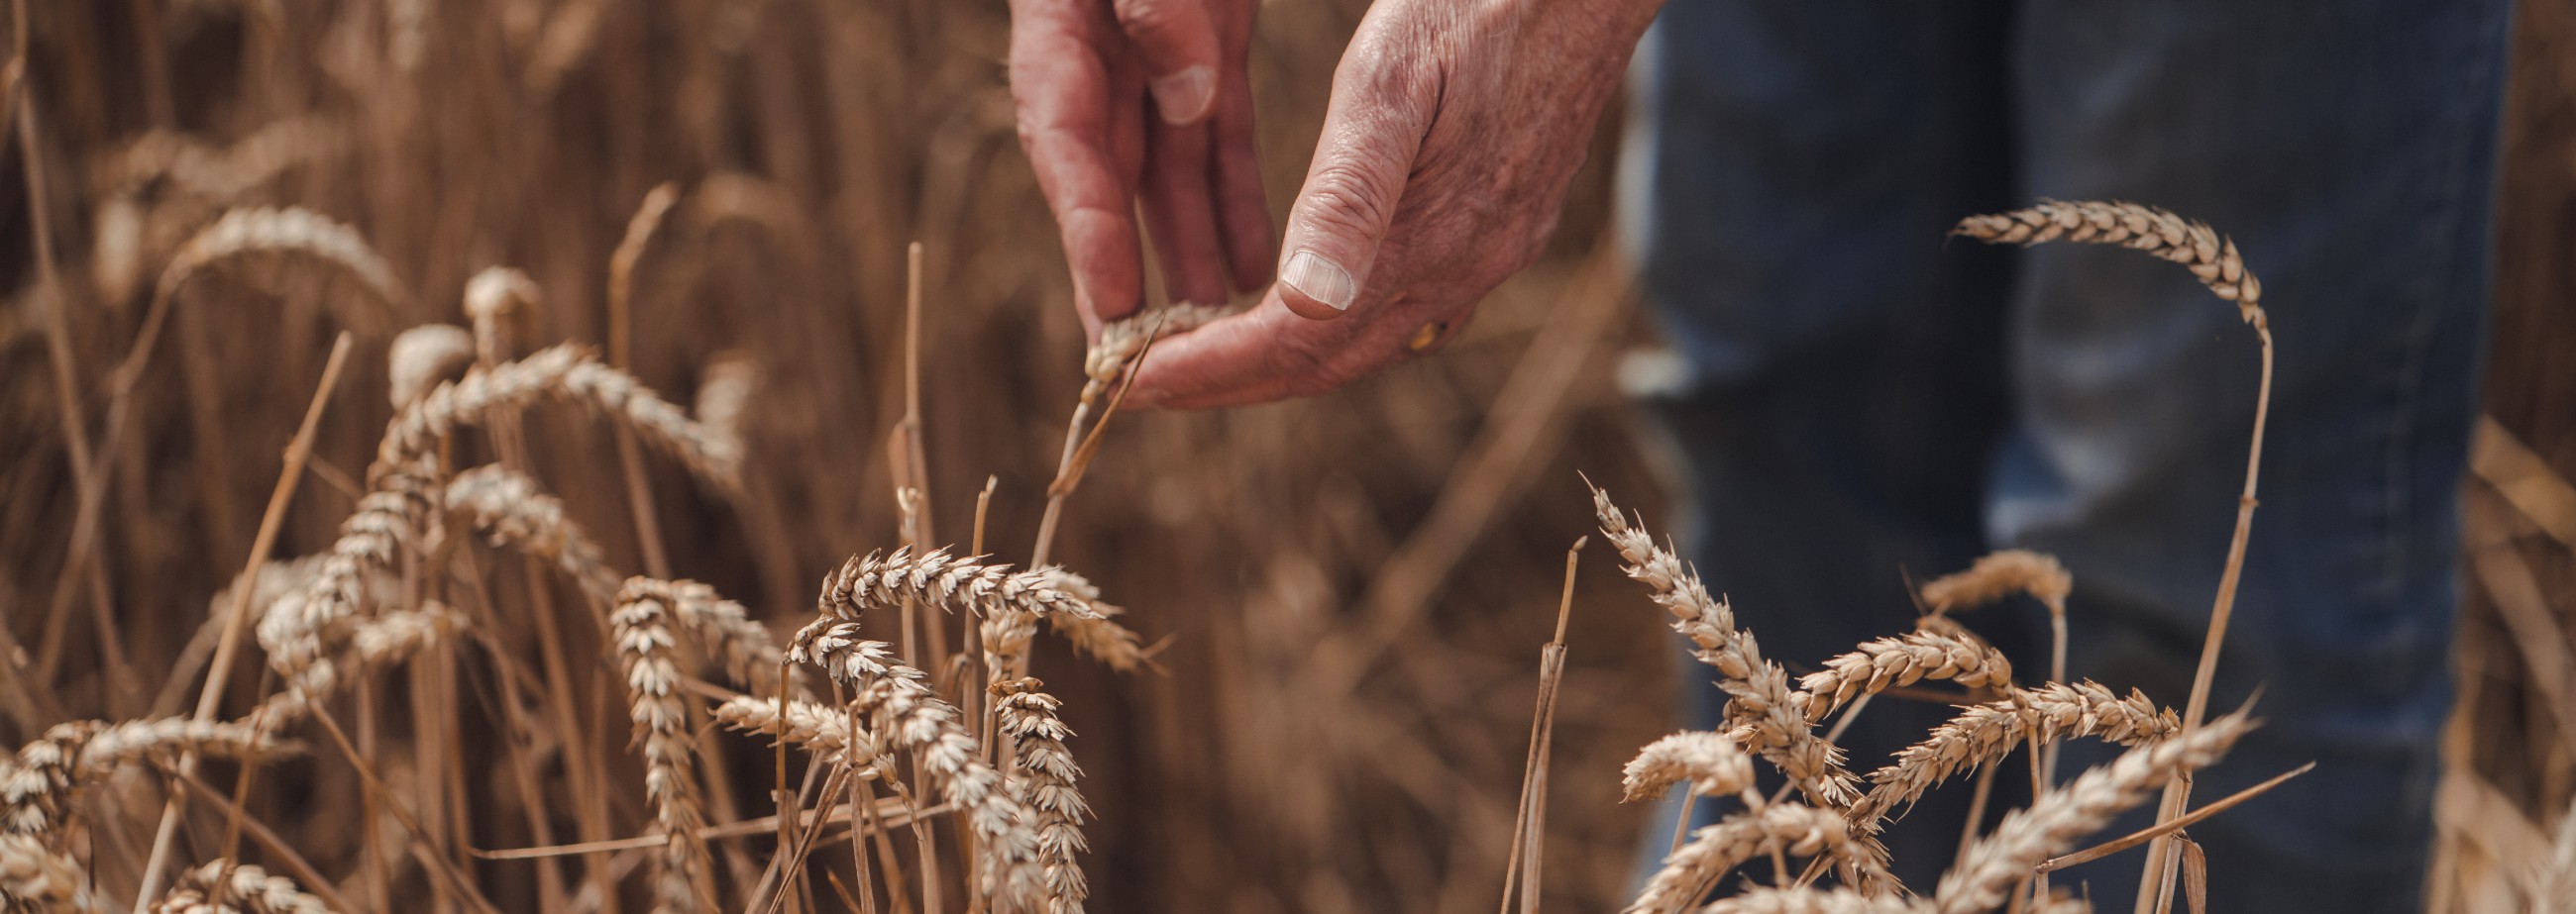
(1344, 198)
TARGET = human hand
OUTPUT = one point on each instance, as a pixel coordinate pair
(1454, 130)
(1128, 104)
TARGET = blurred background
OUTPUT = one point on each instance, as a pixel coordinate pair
(1354, 588)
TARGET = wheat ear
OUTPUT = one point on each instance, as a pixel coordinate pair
(1712, 763)
(648, 651)
(725, 389)
(1998, 575)
(723, 627)
(1688, 873)
(937, 579)
(2207, 254)
(1097, 636)
(423, 356)
(1121, 339)
(817, 728)
(1982, 734)
(299, 632)
(1902, 661)
(216, 173)
(1049, 783)
(247, 889)
(1759, 697)
(38, 786)
(490, 297)
(374, 643)
(512, 510)
(1989, 869)
(905, 714)
(565, 372)
(292, 231)
(1837, 900)
(39, 879)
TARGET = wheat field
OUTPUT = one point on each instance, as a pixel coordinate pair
(427, 423)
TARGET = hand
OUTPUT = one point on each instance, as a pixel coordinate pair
(1129, 103)
(1454, 130)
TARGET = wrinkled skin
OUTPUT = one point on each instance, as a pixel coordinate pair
(1454, 130)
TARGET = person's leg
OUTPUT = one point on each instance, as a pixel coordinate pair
(2347, 147)
(1793, 169)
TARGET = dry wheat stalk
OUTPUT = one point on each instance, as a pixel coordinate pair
(1122, 339)
(1774, 900)
(1098, 636)
(818, 728)
(2210, 256)
(1983, 734)
(1989, 869)
(1713, 850)
(1760, 701)
(907, 717)
(647, 650)
(246, 889)
(1998, 575)
(490, 297)
(1711, 762)
(36, 879)
(565, 372)
(1902, 661)
(288, 231)
(1048, 783)
(426, 355)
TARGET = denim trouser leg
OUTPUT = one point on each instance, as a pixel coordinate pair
(1789, 206)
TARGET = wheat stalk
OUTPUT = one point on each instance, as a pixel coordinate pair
(1711, 762)
(38, 879)
(1902, 661)
(909, 718)
(1048, 784)
(1714, 849)
(646, 648)
(423, 356)
(243, 887)
(1989, 869)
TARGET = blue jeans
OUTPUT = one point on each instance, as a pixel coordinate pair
(1871, 403)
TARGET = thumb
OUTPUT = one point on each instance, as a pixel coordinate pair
(1372, 132)
(1178, 43)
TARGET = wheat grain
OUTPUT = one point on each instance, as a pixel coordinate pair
(645, 646)
(1983, 734)
(1998, 575)
(1714, 849)
(1989, 869)
(565, 372)
(246, 888)
(1901, 661)
(1048, 783)
(2210, 256)
(36, 879)
(426, 355)
(905, 714)
(1711, 762)
(817, 728)
(490, 298)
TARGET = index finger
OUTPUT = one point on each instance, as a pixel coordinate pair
(1062, 89)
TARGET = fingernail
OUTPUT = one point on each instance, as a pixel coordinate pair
(1320, 279)
(1183, 96)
